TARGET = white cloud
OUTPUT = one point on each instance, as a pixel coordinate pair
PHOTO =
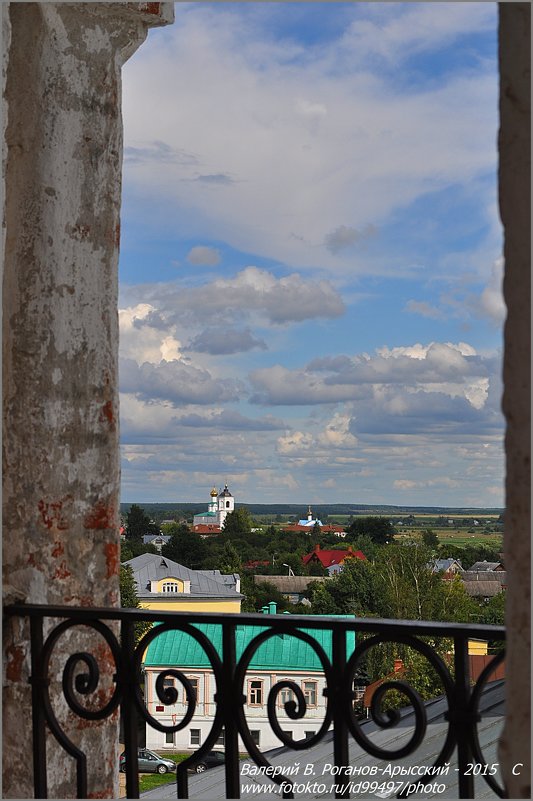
(251, 291)
(301, 158)
(176, 382)
(220, 340)
(203, 255)
(394, 34)
(335, 437)
(345, 237)
(145, 337)
(453, 370)
(491, 302)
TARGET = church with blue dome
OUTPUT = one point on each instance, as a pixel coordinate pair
(310, 520)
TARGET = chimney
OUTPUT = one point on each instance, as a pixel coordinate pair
(272, 605)
(264, 610)
(398, 665)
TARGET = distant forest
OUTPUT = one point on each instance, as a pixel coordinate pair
(160, 511)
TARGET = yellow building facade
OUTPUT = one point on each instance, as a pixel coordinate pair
(164, 585)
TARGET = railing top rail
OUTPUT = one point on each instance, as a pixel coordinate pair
(282, 622)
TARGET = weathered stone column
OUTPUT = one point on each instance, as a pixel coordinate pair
(62, 89)
(515, 210)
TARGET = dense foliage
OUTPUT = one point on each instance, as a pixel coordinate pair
(379, 529)
(138, 523)
(129, 598)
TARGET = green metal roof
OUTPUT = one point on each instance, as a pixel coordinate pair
(280, 652)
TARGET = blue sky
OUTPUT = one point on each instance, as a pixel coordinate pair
(310, 270)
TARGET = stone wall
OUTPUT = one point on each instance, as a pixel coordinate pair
(515, 210)
(62, 89)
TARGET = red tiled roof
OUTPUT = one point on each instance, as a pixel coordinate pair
(206, 528)
(335, 556)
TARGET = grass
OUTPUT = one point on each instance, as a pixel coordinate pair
(148, 781)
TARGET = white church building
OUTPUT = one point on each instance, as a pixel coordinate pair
(309, 520)
(221, 504)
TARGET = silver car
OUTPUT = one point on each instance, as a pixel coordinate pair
(149, 762)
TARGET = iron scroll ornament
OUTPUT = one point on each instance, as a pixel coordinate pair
(294, 710)
(392, 717)
(168, 695)
(84, 684)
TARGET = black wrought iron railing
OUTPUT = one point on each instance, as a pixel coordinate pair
(81, 677)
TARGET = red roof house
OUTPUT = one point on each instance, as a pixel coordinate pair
(335, 556)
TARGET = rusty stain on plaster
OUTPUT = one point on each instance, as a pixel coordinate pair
(151, 8)
(62, 572)
(52, 514)
(112, 558)
(107, 413)
(100, 517)
(59, 550)
(79, 600)
(15, 660)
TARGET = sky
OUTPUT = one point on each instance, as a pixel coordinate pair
(311, 256)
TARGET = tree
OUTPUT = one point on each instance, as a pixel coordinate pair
(186, 547)
(230, 560)
(366, 545)
(429, 538)
(138, 523)
(238, 523)
(259, 595)
(379, 529)
(493, 612)
(129, 598)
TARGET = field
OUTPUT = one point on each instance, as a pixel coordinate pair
(462, 528)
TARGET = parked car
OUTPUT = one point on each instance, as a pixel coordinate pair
(210, 760)
(149, 762)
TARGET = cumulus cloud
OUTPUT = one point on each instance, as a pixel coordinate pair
(491, 302)
(146, 336)
(176, 382)
(223, 341)
(344, 237)
(233, 421)
(287, 299)
(204, 256)
(279, 385)
(283, 300)
(335, 437)
(433, 384)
